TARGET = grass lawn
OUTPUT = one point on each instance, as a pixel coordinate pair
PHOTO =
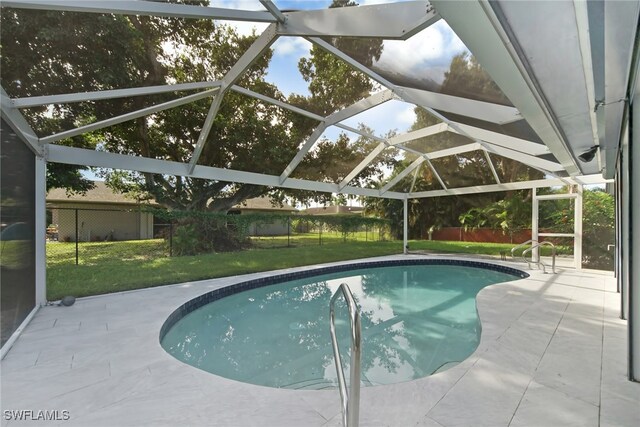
(476, 248)
(116, 272)
(119, 266)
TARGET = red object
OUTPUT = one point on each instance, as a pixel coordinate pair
(487, 235)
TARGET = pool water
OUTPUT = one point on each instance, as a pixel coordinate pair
(416, 321)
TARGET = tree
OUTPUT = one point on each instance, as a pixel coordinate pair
(47, 52)
(598, 224)
(465, 78)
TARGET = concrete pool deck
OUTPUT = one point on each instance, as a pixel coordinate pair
(553, 353)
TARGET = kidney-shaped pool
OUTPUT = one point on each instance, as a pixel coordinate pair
(416, 320)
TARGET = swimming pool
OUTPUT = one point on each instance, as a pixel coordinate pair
(417, 319)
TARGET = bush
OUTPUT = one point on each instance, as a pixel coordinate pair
(185, 240)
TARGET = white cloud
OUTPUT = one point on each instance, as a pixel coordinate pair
(407, 116)
(292, 46)
(435, 44)
(241, 27)
(245, 28)
(392, 115)
(237, 4)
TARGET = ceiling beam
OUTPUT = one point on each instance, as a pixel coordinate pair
(584, 39)
(415, 177)
(488, 188)
(273, 10)
(19, 124)
(428, 157)
(255, 51)
(363, 164)
(338, 116)
(480, 29)
(539, 183)
(276, 102)
(128, 116)
(406, 171)
(144, 8)
(81, 156)
(491, 165)
(529, 160)
(410, 96)
(37, 101)
(204, 132)
(349, 60)
(309, 143)
(486, 111)
(420, 133)
(466, 148)
(500, 139)
(436, 174)
(360, 107)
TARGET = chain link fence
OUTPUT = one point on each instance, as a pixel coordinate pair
(91, 236)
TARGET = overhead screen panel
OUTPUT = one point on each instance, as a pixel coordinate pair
(92, 51)
(253, 136)
(274, 108)
(337, 153)
(433, 60)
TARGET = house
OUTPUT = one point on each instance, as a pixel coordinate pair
(264, 205)
(105, 215)
(335, 210)
(99, 214)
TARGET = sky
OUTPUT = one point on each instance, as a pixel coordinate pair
(426, 54)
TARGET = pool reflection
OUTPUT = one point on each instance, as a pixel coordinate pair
(415, 321)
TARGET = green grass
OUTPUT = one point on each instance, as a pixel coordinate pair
(96, 253)
(113, 274)
(119, 266)
(476, 247)
(14, 254)
(313, 239)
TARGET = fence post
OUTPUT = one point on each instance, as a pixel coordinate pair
(77, 237)
(170, 238)
(288, 231)
(320, 228)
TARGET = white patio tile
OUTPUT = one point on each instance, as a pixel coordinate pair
(543, 406)
(540, 348)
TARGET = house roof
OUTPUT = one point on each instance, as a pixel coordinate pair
(99, 194)
(334, 209)
(263, 204)
(103, 194)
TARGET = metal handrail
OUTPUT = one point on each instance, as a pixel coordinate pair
(351, 399)
(513, 250)
(539, 261)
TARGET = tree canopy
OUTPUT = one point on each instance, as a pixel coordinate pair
(465, 78)
(51, 52)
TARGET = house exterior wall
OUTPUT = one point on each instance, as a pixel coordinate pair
(273, 229)
(97, 222)
(276, 228)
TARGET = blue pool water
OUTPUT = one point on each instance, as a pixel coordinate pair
(416, 320)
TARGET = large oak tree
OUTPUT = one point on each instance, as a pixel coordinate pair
(51, 52)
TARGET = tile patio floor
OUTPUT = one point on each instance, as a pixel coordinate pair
(552, 353)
